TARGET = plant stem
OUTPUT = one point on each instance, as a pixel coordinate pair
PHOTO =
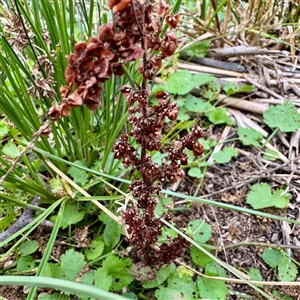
(270, 138)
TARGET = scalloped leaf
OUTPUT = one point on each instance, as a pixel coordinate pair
(261, 196)
(200, 230)
(284, 116)
(181, 83)
(140, 271)
(249, 136)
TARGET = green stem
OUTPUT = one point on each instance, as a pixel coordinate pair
(20, 203)
(269, 138)
(59, 284)
(229, 140)
(128, 75)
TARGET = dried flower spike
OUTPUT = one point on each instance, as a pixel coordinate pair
(146, 123)
(136, 33)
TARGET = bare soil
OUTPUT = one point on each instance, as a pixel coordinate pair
(241, 238)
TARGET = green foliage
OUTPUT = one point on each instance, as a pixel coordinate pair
(70, 264)
(55, 296)
(112, 233)
(189, 5)
(207, 288)
(181, 270)
(79, 176)
(130, 295)
(199, 257)
(284, 117)
(232, 88)
(167, 233)
(98, 278)
(142, 272)
(260, 196)
(287, 270)
(28, 247)
(200, 230)
(52, 28)
(198, 49)
(271, 155)
(272, 257)
(161, 276)
(95, 248)
(3, 129)
(25, 263)
(211, 90)
(85, 139)
(163, 205)
(195, 104)
(281, 296)
(10, 149)
(225, 155)
(103, 280)
(255, 274)
(195, 172)
(181, 83)
(219, 116)
(56, 184)
(177, 288)
(9, 216)
(249, 136)
(116, 268)
(72, 215)
(214, 269)
(88, 291)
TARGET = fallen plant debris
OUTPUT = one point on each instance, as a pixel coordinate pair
(25, 218)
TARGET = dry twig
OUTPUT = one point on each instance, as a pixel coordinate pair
(25, 218)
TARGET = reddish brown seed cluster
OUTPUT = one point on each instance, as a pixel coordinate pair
(144, 231)
(136, 33)
(146, 123)
(135, 29)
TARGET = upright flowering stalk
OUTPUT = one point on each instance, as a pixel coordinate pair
(146, 122)
(136, 32)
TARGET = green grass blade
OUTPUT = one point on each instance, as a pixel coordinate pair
(59, 284)
(30, 227)
(50, 244)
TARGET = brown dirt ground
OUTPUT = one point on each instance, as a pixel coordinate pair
(230, 183)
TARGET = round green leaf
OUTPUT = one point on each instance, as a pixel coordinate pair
(249, 136)
(200, 230)
(181, 83)
(284, 117)
(95, 248)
